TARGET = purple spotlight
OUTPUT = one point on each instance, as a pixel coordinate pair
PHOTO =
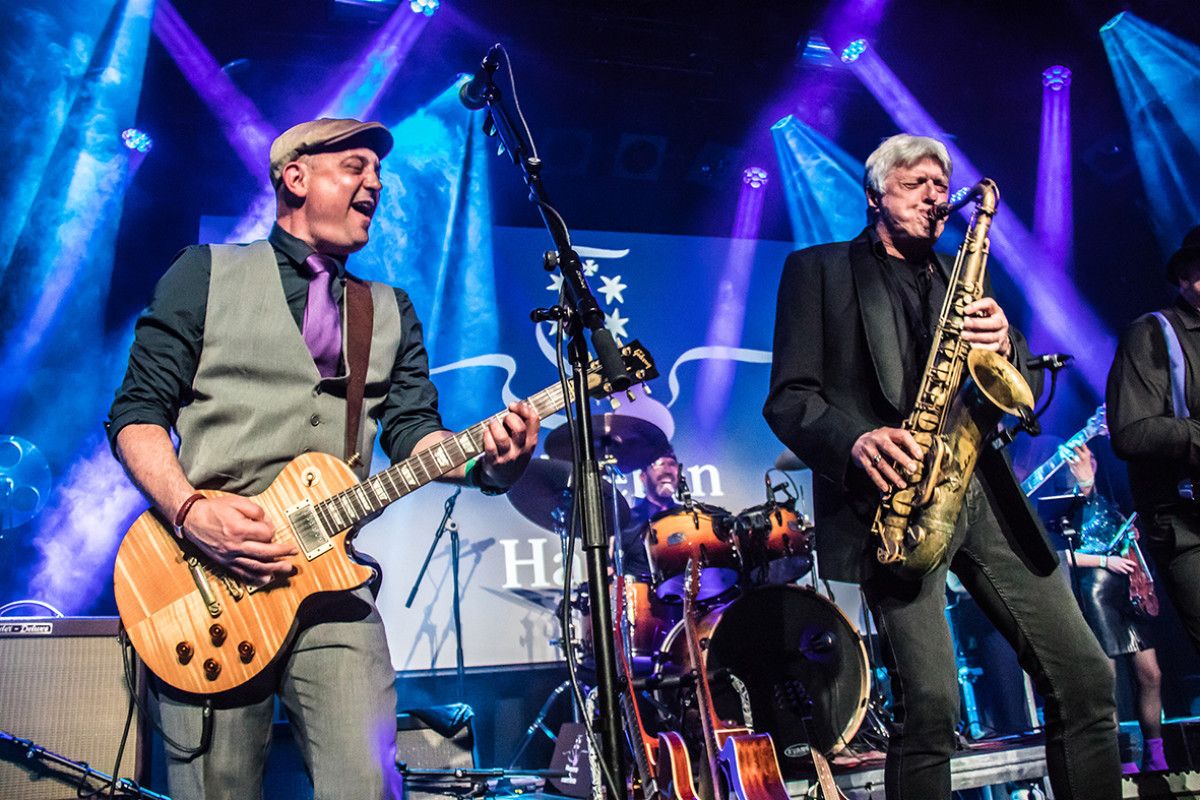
(137, 140)
(1056, 78)
(755, 177)
(853, 50)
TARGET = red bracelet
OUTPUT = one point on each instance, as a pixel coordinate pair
(181, 515)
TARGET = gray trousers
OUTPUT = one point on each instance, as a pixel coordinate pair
(337, 684)
(1039, 617)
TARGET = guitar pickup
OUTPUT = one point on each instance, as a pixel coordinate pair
(307, 527)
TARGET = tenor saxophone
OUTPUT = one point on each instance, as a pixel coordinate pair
(952, 415)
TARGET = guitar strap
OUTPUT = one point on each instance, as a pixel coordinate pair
(1178, 366)
(360, 322)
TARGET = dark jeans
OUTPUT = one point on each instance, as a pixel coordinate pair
(1172, 540)
(1037, 615)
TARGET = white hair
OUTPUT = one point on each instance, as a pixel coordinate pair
(902, 150)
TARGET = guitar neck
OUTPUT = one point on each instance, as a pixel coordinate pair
(1055, 462)
(639, 741)
(350, 507)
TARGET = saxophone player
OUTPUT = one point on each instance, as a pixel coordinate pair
(854, 324)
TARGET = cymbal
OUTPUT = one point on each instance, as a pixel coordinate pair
(545, 490)
(789, 462)
(633, 441)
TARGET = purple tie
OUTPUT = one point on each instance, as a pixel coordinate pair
(322, 323)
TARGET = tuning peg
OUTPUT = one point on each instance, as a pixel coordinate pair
(646, 389)
(614, 402)
(632, 397)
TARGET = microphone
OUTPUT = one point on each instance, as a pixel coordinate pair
(473, 93)
(1050, 361)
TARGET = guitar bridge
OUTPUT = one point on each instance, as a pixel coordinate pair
(309, 531)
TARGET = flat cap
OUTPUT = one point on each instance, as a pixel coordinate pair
(324, 136)
(1188, 253)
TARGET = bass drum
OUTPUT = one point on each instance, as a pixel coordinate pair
(786, 645)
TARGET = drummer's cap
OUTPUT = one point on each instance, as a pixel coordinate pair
(666, 452)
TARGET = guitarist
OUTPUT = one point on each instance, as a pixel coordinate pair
(1104, 593)
(247, 353)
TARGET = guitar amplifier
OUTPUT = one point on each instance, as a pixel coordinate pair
(62, 688)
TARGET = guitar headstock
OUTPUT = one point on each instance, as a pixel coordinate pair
(1097, 425)
(639, 365)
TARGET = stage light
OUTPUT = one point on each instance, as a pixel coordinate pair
(959, 195)
(1056, 78)
(137, 140)
(853, 50)
(1112, 22)
(821, 183)
(1157, 73)
(816, 53)
(426, 7)
(755, 177)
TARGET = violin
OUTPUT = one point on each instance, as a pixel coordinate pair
(1141, 585)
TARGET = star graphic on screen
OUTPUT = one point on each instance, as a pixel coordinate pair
(589, 267)
(616, 324)
(555, 283)
(612, 288)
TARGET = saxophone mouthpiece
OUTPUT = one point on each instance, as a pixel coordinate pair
(940, 211)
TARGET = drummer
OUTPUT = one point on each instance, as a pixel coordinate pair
(660, 479)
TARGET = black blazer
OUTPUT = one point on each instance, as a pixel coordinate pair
(837, 372)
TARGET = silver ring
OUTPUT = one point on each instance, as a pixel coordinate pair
(875, 460)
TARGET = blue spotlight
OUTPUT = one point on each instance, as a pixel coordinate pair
(959, 195)
(853, 50)
(136, 140)
(1056, 78)
(1108, 25)
(755, 177)
(426, 7)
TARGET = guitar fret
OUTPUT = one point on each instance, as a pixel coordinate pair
(407, 475)
(380, 493)
(440, 458)
(365, 497)
(336, 511)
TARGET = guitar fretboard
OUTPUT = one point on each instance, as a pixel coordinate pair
(1096, 426)
(351, 506)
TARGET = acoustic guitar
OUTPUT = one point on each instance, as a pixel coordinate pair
(741, 763)
(200, 629)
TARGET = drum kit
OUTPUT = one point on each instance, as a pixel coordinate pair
(778, 651)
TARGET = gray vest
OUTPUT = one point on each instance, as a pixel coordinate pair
(259, 400)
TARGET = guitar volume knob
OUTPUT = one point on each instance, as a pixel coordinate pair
(217, 632)
(184, 652)
(246, 652)
(212, 668)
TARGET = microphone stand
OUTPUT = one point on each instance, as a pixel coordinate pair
(447, 524)
(582, 312)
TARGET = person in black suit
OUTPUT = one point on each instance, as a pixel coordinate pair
(853, 328)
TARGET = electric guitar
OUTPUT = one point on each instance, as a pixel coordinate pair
(664, 766)
(742, 764)
(1097, 425)
(200, 629)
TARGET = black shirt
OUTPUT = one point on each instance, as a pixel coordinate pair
(169, 336)
(918, 290)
